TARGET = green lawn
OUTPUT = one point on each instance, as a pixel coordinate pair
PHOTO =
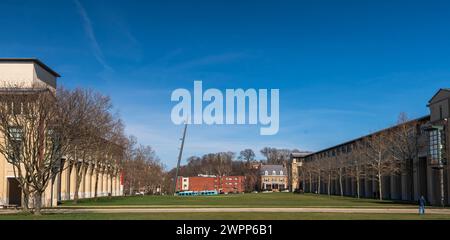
(261, 200)
(238, 200)
(226, 216)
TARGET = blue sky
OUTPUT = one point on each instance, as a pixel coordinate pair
(344, 68)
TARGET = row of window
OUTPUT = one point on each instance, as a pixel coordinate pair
(274, 180)
(436, 146)
(273, 173)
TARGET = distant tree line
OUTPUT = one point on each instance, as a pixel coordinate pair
(142, 169)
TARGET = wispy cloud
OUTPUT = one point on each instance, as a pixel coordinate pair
(209, 60)
(88, 29)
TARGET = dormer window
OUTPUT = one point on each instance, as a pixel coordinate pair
(281, 172)
(266, 173)
(274, 172)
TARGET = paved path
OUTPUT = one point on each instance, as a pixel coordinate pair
(183, 210)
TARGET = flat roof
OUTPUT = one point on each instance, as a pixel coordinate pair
(30, 60)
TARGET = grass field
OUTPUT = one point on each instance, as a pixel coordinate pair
(238, 200)
(226, 216)
(260, 200)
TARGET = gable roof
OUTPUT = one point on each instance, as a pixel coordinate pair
(30, 60)
(271, 168)
(440, 90)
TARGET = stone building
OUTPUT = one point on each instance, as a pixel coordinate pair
(425, 173)
(26, 73)
(273, 178)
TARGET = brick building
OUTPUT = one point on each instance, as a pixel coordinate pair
(222, 184)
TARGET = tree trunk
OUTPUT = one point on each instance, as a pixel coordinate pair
(310, 182)
(340, 182)
(380, 189)
(303, 182)
(37, 203)
(357, 186)
(25, 201)
(318, 184)
(77, 186)
(329, 184)
(96, 186)
(111, 188)
(358, 180)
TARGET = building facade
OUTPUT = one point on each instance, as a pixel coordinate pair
(423, 172)
(273, 178)
(222, 184)
(294, 165)
(27, 73)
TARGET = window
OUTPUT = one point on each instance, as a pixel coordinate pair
(436, 146)
(281, 172)
(266, 173)
(16, 107)
(15, 133)
(274, 172)
(15, 143)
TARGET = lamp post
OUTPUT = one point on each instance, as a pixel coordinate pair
(179, 159)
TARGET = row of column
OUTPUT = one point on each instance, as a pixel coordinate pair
(63, 185)
(406, 186)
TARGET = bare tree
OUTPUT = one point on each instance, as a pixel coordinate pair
(223, 162)
(271, 155)
(143, 171)
(340, 165)
(311, 171)
(247, 155)
(31, 141)
(329, 170)
(316, 173)
(356, 164)
(379, 157)
(90, 126)
(405, 145)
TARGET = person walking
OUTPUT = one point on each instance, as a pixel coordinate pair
(422, 203)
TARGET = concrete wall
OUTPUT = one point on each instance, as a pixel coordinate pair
(25, 74)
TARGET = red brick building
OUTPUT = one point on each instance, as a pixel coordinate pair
(224, 184)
